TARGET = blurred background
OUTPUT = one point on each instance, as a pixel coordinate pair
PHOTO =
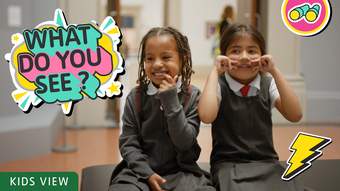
(310, 64)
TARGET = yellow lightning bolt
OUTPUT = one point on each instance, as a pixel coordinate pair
(306, 148)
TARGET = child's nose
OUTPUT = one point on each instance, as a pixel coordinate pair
(244, 58)
(158, 63)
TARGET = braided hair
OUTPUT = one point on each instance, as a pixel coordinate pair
(183, 50)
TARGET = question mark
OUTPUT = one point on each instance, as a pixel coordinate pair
(86, 76)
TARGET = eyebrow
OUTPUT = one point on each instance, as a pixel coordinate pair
(236, 46)
(148, 54)
(252, 46)
(168, 52)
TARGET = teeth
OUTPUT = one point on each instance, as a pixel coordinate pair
(159, 73)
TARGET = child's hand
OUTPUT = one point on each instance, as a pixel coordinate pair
(155, 181)
(224, 64)
(168, 82)
(267, 64)
(255, 64)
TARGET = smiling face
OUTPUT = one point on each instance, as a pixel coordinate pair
(245, 53)
(161, 57)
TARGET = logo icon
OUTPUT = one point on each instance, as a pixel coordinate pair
(306, 17)
(62, 63)
(306, 148)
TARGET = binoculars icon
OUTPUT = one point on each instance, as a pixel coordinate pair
(310, 13)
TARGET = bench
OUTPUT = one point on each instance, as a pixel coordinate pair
(322, 176)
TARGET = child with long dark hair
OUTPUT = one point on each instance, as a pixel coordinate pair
(237, 99)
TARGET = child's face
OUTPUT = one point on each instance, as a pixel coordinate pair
(161, 57)
(246, 53)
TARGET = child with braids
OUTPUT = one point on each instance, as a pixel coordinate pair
(160, 121)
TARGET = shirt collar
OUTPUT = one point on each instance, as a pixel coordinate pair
(152, 89)
(236, 86)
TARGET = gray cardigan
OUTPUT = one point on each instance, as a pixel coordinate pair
(160, 136)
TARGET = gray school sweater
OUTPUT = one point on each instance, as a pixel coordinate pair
(159, 139)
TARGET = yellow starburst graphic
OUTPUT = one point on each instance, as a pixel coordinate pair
(114, 88)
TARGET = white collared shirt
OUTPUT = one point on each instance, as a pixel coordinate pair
(152, 89)
(254, 89)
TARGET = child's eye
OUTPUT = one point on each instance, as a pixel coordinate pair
(252, 51)
(148, 59)
(235, 51)
(166, 57)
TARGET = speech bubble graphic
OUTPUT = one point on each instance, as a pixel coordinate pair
(306, 17)
(62, 63)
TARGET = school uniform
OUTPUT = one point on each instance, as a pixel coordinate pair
(243, 156)
(160, 137)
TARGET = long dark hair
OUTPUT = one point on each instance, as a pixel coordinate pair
(235, 30)
(183, 52)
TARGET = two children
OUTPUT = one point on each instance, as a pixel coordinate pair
(161, 121)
